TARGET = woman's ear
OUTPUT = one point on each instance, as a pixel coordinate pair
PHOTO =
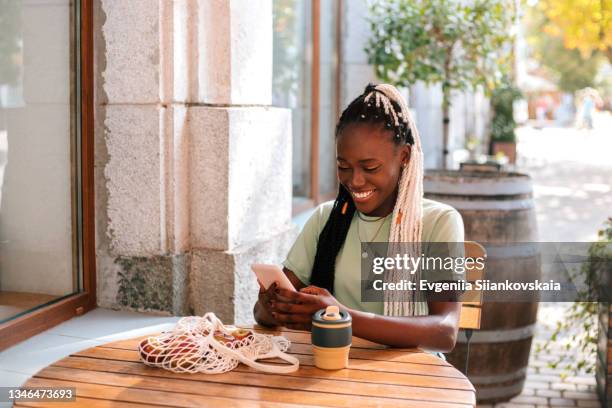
(405, 154)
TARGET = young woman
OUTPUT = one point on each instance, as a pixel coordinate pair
(380, 170)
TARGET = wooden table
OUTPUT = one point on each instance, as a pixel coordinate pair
(112, 375)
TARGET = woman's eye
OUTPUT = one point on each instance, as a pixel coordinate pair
(371, 169)
(341, 168)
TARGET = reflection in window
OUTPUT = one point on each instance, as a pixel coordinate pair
(292, 79)
(327, 94)
(37, 135)
(11, 56)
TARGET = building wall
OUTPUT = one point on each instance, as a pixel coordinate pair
(193, 180)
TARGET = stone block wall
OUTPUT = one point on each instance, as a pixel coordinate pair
(193, 165)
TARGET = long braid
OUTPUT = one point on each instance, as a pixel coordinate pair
(407, 221)
(331, 240)
(379, 104)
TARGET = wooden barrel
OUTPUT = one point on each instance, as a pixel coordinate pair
(498, 211)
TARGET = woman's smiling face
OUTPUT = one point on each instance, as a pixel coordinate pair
(369, 166)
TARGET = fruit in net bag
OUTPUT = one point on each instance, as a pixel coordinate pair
(152, 350)
(183, 353)
(204, 344)
(236, 338)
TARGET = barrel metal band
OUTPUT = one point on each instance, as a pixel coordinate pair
(516, 185)
(494, 205)
(513, 250)
(499, 378)
(499, 336)
(500, 391)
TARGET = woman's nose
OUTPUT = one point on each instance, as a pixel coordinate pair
(357, 179)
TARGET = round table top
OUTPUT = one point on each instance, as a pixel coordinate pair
(113, 375)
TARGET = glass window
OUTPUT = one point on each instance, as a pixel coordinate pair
(38, 164)
(328, 67)
(292, 81)
(294, 84)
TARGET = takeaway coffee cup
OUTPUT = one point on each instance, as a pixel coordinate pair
(331, 338)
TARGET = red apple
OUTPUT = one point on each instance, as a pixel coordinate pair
(152, 351)
(241, 334)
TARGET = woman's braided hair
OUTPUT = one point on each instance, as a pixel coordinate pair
(378, 104)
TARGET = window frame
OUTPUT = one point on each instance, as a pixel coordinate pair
(301, 204)
(64, 308)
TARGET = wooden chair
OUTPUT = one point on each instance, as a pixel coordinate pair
(471, 307)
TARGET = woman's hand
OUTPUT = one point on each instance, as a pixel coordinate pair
(263, 311)
(294, 310)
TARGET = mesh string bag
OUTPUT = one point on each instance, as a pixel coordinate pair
(206, 345)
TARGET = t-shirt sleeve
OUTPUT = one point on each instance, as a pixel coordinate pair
(448, 227)
(446, 240)
(449, 233)
(300, 258)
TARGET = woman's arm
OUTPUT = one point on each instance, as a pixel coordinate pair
(436, 331)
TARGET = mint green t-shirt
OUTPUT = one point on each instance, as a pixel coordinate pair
(441, 223)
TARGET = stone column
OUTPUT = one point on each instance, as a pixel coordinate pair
(141, 251)
(193, 164)
(240, 159)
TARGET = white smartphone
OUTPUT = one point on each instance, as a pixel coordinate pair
(268, 274)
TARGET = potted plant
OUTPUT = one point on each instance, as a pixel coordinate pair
(460, 45)
(592, 314)
(503, 137)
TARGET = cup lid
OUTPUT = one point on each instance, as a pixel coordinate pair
(332, 315)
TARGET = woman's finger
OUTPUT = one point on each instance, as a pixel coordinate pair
(291, 317)
(272, 288)
(266, 298)
(311, 290)
(303, 308)
(315, 290)
(295, 297)
(261, 287)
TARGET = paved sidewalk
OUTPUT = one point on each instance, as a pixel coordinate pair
(545, 386)
(572, 175)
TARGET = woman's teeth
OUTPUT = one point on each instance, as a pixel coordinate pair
(363, 195)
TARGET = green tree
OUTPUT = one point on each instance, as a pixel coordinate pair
(583, 25)
(287, 44)
(568, 68)
(9, 41)
(461, 46)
